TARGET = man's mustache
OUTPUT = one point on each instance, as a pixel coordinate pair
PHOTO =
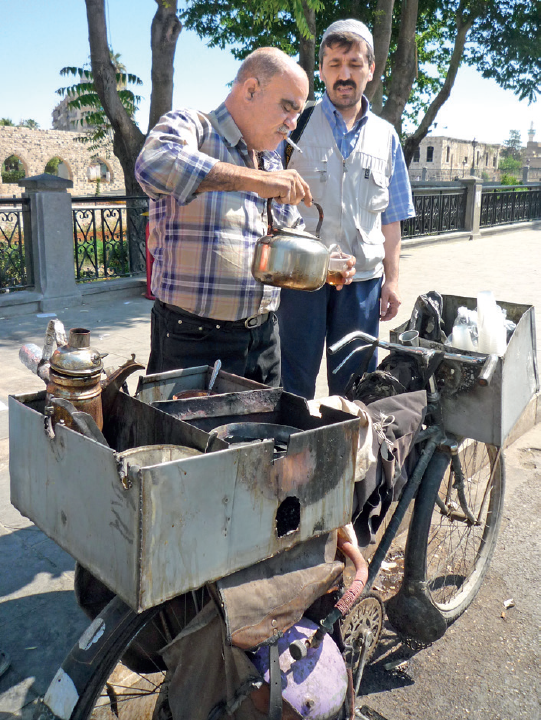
(344, 83)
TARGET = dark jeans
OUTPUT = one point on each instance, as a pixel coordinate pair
(308, 319)
(181, 340)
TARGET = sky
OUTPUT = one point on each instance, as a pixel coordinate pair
(39, 37)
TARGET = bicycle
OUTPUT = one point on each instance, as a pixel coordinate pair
(115, 670)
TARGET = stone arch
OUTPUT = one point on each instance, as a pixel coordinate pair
(14, 168)
(106, 170)
(58, 166)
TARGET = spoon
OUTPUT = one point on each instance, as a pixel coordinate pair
(215, 371)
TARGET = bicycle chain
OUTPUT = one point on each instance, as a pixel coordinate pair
(413, 644)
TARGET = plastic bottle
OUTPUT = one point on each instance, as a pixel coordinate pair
(464, 335)
(491, 323)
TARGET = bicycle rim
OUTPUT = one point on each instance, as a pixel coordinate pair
(121, 675)
(458, 550)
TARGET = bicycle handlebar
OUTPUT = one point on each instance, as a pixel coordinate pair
(488, 362)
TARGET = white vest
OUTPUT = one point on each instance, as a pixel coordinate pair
(353, 193)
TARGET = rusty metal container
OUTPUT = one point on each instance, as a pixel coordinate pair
(164, 386)
(152, 525)
(488, 414)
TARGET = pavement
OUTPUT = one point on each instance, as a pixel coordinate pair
(39, 618)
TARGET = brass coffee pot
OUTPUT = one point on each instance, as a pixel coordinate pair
(74, 372)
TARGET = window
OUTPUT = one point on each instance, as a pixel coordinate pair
(417, 155)
(448, 154)
(430, 154)
(494, 161)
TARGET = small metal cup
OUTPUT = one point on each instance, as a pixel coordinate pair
(410, 338)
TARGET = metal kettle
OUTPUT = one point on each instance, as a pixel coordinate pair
(291, 258)
(74, 373)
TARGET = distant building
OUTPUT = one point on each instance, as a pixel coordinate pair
(445, 158)
(532, 157)
(66, 118)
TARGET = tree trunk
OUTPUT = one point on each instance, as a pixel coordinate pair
(383, 25)
(127, 138)
(404, 70)
(307, 48)
(414, 140)
(166, 28)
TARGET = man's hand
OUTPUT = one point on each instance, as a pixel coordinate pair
(284, 186)
(389, 302)
(347, 275)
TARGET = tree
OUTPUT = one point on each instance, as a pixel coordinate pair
(30, 124)
(83, 96)
(419, 46)
(512, 147)
(6, 122)
(127, 137)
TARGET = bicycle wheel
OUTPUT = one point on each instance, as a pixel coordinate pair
(115, 671)
(455, 526)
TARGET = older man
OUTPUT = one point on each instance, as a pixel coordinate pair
(209, 177)
(354, 165)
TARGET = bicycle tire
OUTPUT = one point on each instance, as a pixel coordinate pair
(93, 683)
(450, 552)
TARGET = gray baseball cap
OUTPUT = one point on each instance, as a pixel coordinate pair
(352, 26)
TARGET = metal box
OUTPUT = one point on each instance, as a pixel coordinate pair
(488, 414)
(151, 531)
(163, 386)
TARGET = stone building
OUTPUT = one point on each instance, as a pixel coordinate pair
(445, 158)
(66, 118)
(31, 150)
(532, 157)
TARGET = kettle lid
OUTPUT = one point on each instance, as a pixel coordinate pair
(77, 357)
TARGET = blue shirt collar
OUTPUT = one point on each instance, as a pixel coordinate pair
(335, 119)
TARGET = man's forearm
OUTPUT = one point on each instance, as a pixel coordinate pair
(391, 261)
(285, 186)
(225, 177)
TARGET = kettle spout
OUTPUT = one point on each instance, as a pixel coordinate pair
(113, 382)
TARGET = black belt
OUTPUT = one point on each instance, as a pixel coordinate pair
(250, 323)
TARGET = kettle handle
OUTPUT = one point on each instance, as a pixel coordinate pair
(270, 229)
(320, 221)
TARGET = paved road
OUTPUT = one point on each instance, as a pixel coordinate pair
(485, 667)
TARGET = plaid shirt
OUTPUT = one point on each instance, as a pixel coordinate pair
(400, 199)
(203, 244)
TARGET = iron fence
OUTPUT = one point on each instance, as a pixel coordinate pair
(15, 255)
(109, 236)
(438, 210)
(510, 204)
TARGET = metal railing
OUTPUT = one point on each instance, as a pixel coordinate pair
(15, 255)
(509, 204)
(438, 210)
(109, 236)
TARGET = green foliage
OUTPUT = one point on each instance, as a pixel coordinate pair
(507, 179)
(505, 45)
(30, 124)
(52, 166)
(12, 267)
(12, 170)
(512, 147)
(6, 122)
(82, 96)
(510, 166)
(497, 45)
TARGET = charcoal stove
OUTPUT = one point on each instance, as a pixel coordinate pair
(151, 529)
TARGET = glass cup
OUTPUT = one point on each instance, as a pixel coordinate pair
(338, 264)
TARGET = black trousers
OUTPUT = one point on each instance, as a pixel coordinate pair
(182, 340)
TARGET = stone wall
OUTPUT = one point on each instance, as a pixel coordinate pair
(35, 148)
